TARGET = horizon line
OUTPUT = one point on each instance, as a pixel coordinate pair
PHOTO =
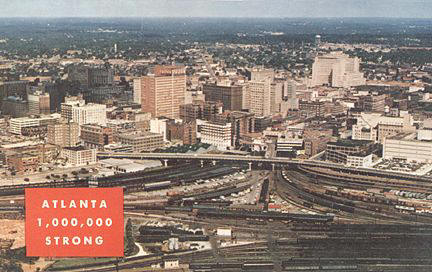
(211, 17)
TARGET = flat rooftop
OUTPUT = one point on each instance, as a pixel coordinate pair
(135, 135)
(76, 148)
(350, 143)
(407, 136)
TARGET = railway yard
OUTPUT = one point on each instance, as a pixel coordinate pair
(223, 217)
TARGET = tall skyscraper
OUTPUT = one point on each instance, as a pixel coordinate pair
(337, 70)
(163, 92)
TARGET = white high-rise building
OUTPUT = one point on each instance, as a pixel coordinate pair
(81, 113)
(137, 90)
(259, 97)
(337, 70)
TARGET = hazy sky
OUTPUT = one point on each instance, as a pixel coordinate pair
(216, 8)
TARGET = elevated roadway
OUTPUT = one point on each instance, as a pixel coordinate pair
(274, 161)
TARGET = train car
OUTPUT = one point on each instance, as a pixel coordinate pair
(152, 238)
(157, 185)
(194, 238)
(178, 209)
(202, 266)
(224, 265)
(405, 209)
(267, 266)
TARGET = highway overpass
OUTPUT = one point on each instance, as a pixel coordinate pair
(165, 157)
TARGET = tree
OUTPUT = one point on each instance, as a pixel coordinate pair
(129, 239)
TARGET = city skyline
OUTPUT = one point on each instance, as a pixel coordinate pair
(219, 8)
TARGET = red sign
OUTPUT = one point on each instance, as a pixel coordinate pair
(74, 222)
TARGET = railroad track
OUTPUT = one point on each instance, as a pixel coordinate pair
(304, 192)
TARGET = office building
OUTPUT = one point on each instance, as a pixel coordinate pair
(23, 163)
(312, 108)
(96, 136)
(14, 88)
(262, 123)
(137, 90)
(375, 127)
(259, 97)
(14, 106)
(316, 139)
(79, 155)
(142, 141)
(163, 92)
(373, 103)
(38, 103)
(242, 123)
(81, 113)
(407, 147)
(63, 134)
(218, 134)
(355, 153)
(276, 95)
(159, 126)
(189, 133)
(106, 94)
(337, 70)
(17, 124)
(91, 76)
(184, 131)
(204, 110)
(230, 96)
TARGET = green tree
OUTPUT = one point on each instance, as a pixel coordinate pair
(129, 239)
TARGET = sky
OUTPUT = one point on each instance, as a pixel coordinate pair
(216, 8)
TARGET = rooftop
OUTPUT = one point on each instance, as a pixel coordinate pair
(404, 136)
(76, 148)
(134, 135)
(350, 143)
